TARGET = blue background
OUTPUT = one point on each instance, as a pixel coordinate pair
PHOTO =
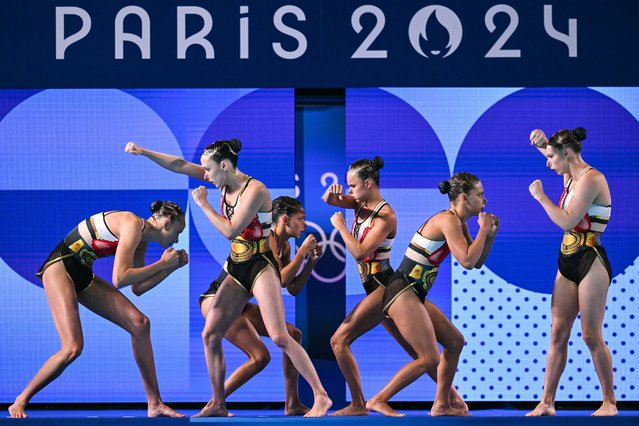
(63, 158)
(63, 127)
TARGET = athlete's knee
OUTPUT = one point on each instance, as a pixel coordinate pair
(282, 340)
(211, 337)
(339, 342)
(140, 324)
(592, 338)
(428, 362)
(559, 336)
(455, 343)
(260, 360)
(295, 333)
(71, 351)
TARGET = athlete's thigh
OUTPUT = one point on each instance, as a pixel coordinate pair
(445, 330)
(564, 302)
(392, 329)
(62, 298)
(593, 293)
(267, 292)
(244, 336)
(104, 300)
(365, 316)
(226, 306)
(412, 320)
(254, 315)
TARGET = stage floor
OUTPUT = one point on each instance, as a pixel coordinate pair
(255, 417)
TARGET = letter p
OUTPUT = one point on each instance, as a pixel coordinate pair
(61, 43)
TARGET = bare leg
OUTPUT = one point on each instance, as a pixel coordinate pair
(453, 343)
(268, 294)
(593, 291)
(242, 335)
(106, 301)
(225, 309)
(413, 321)
(293, 406)
(363, 318)
(63, 303)
(565, 306)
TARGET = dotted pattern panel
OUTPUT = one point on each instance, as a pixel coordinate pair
(507, 331)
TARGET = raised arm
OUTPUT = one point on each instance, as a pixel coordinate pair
(385, 223)
(539, 140)
(125, 270)
(253, 199)
(334, 195)
(586, 191)
(457, 237)
(168, 161)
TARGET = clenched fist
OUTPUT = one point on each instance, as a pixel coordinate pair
(538, 138)
(199, 195)
(132, 148)
(536, 189)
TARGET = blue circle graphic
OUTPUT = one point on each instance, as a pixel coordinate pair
(498, 151)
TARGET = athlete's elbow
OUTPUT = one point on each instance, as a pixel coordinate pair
(231, 234)
(466, 263)
(117, 280)
(359, 257)
(293, 291)
(567, 226)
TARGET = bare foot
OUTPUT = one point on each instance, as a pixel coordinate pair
(441, 410)
(383, 408)
(162, 410)
(214, 409)
(352, 410)
(542, 410)
(17, 410)
(320, 407)
(295, 409)
(456, 401)
(606, 409)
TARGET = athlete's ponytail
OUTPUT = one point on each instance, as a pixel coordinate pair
(462, 182)
(167, 209)
(285, 206)
(368, 169)
(224, 150)
(568, 139)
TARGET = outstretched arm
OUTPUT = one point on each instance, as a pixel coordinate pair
(168, 161)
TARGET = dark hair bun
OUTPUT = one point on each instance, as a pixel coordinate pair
(235, 144)
(156, 206)
(444, 187)
(580, 133)
(378, 162)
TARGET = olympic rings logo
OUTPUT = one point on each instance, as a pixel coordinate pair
(337, 249)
